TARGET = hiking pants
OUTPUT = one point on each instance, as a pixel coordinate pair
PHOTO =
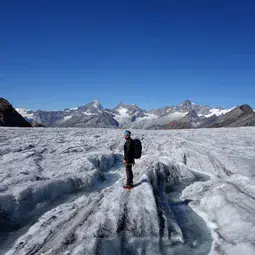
(129, 174)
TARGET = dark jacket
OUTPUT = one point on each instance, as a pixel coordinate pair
(129, 151)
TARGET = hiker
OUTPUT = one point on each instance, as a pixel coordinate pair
(129, 155)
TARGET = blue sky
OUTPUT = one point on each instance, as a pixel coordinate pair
(60, 54)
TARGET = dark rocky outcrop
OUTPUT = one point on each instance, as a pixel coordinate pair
(206, 122)
(9, 117)
(191, 118)
(177, 125)
(238, 117)
(36, 124)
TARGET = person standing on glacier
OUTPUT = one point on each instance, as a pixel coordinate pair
(129, 161)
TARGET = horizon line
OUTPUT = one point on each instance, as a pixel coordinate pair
(121, 102)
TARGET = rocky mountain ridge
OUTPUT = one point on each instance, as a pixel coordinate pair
(183, 115)
(10, 117)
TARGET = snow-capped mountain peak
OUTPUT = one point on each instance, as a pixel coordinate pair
(124, 112)
(186, 106)
(130, 107)
(127, 116)
(96, 104)
(186, 102)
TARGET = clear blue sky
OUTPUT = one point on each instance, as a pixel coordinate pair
(59, 54)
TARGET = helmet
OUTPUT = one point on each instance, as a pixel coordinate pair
(127, 132)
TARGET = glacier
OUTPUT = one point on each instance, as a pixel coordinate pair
(61, 192)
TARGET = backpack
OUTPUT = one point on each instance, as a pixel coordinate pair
(138, 148)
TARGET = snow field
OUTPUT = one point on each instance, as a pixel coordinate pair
(45, 165)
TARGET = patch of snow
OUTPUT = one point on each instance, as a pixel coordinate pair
(89, 113)
(175, 115)
(68, 117)
(148, 116)
(217, 112)
(25, 113)
(122, 114)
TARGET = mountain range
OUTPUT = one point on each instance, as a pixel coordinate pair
(184, 115)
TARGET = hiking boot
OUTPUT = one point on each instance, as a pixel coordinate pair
(127, 186)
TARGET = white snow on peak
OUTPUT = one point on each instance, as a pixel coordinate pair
(123, 112)
(25, 113)
(218, 112)
(96, 103)
(71, 109)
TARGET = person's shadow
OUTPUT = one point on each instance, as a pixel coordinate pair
(140, 183)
